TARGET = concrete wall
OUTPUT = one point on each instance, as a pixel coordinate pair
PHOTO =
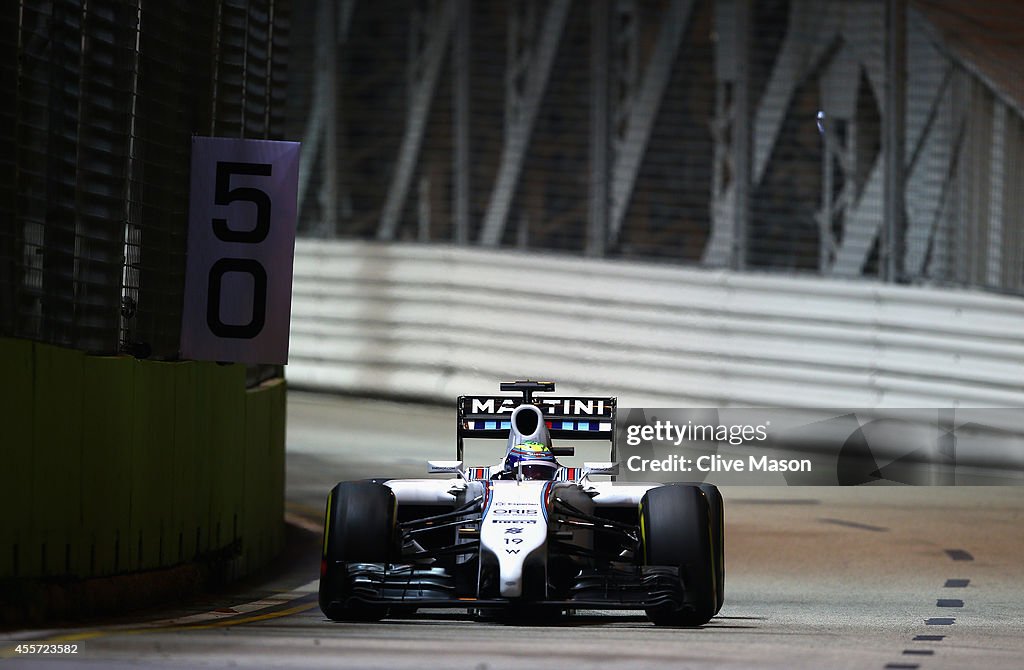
(113, 465)
(435, 321)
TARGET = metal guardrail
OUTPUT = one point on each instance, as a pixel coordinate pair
(435, 321)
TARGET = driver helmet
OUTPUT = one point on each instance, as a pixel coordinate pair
(533, 459)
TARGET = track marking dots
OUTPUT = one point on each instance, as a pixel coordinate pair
(957, 583)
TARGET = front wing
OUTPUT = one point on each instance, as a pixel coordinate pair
(394, 585)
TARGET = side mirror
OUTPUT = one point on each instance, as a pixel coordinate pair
(452, 467)
(600, 469)
(563, 451)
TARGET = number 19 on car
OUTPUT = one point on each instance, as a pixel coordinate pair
(241, 241)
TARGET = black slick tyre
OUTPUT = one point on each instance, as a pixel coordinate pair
(358, 528)
(717, 506)
(676, 524)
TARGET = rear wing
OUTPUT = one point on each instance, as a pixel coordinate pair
(577, 418)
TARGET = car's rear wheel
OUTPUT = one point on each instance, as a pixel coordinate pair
(677, 531)
(359, 528)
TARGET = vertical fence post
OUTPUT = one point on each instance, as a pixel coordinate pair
(461, 53)
(600, 36)
(741, 144)
(892, 244)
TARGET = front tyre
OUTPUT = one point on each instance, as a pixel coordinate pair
(676, 530)
(717, 506)
(359, 528)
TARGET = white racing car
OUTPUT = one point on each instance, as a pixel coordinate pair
(527, 533)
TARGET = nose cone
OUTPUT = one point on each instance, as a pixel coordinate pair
(515, 530)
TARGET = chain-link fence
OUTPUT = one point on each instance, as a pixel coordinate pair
(874, 138)
(103, 97)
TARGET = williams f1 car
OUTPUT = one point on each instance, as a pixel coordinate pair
(526, 533)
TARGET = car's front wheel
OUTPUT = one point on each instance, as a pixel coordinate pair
(677, 530)
(717, 505)
(359, 528)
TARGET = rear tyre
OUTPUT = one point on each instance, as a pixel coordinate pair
(359, 528)
(677, 531)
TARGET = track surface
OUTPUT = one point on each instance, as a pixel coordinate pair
(817, 578)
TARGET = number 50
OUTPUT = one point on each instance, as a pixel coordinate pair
(225, 195)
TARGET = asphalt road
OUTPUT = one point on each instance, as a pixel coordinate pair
(865, 577)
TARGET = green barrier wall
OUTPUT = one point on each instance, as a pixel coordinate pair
(111, 465)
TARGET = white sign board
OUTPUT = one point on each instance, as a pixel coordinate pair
(241, 242)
